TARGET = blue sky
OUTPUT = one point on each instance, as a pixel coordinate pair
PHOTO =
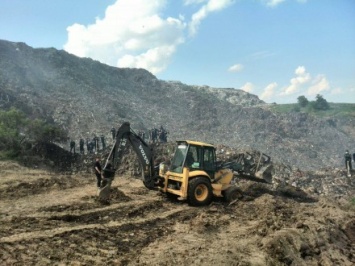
(276, 49)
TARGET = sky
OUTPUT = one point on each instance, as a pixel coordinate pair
(276, 49)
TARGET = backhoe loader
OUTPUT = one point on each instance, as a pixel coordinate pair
(194, 175)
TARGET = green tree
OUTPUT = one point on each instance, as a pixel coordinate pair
(42, 132)
(320, 103)
(16, 131)
(12, 125)
(302, 101)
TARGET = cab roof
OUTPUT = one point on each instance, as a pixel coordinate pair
(196, 143)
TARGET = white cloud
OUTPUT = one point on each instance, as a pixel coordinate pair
(236, 68)
(320, 84)
(261, 55)
(304, 84)
(191, 2)
(247, 87)
(296, 83)
(336, 91)
(210, 7)
(131, 34)
(269, 91)
(274, 3)
(151, 60)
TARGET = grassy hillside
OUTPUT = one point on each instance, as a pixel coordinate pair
(338, 110)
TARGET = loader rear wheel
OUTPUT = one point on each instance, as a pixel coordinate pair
(232, 193)
(199, 192)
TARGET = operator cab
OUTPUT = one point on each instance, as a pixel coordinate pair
(195, 156)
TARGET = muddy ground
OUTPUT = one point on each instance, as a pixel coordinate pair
(52, 219)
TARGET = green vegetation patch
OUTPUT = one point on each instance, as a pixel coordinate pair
(319, 108)
(19, 133)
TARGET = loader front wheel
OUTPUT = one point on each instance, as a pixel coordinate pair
(232, 193)
(199, 191)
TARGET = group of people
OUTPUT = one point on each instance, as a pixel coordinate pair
(154, 135)
(99, 143)
(347, 158)
(158, 135)
(92, 145)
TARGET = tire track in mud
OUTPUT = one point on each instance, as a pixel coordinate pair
(25, 227)
(79, 228)
(51, 221)
(86, 209)
(121, 233)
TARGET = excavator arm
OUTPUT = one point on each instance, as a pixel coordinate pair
(126, 135)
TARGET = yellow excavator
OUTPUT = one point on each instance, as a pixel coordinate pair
(194, 174)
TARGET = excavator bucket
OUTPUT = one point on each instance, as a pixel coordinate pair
(265, 173)
(105, 189)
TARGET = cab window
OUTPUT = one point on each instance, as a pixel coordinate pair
(209, 159)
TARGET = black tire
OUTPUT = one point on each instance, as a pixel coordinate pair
(232, 193)
(199, 192)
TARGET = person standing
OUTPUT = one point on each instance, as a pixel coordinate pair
(347, 158)
(81, 145)
(98, 169)
(88, 146)
(103, 143)
(113, 132)
(72, 146)
(96, 143)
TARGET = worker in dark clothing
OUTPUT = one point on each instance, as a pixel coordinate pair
(97, 169)
(113, 132)
(153, 135)
(88, 146)
(72, 146)
(102, 137)
(347, 158)
(96, 143)
(81, 146)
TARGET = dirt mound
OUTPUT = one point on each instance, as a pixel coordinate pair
(350, 230)
(49, 219)
(41, 185)
(5, 166)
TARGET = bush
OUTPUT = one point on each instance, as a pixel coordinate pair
(296, 109)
